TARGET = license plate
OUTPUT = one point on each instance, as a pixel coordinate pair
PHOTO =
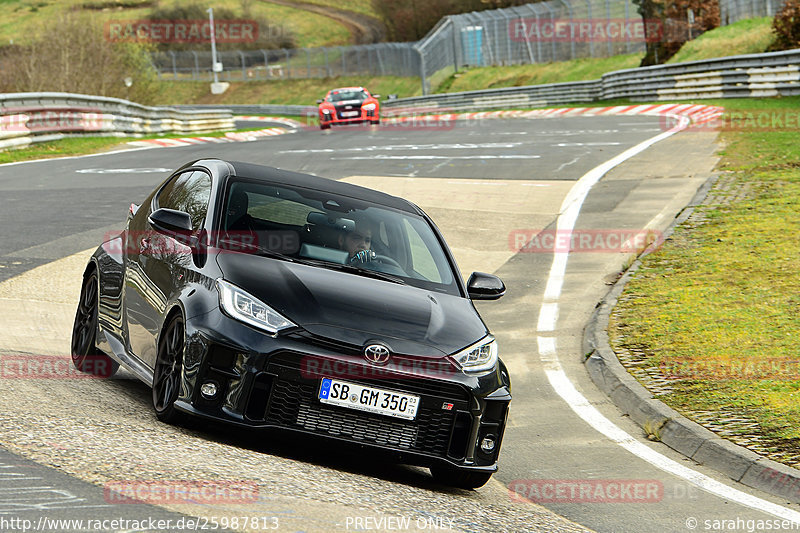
(350, 113)
(369, 399)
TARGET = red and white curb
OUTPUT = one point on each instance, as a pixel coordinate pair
(233, 136)
(696, 113)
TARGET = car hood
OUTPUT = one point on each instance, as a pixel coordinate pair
(354, 309)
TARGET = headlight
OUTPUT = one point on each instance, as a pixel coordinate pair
(479, 357)
(248, 309)
(368, 107)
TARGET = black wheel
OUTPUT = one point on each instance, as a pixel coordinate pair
(375, 122)
(167, 373)
(459, 478)
(85, 355)
(324, 126)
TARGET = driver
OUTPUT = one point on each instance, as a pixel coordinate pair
(357, 244)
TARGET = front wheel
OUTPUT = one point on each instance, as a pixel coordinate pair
(459, 478)
(85, 355)
(167, 373)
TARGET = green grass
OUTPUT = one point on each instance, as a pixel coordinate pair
(752, 36)
(726, 293)
(88, 145)
(64, 147)
(287, 92)
(356, 6)
(18, 22)
(516, 76)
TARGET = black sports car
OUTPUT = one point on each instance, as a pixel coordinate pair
(271, 299)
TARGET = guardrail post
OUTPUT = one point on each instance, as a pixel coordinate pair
(196, 70)
(288, 65)
(266, 63)
(174, 66)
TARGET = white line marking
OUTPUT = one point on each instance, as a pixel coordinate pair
(548, 353)
(433, 157)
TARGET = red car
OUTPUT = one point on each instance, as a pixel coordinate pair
(348, 105)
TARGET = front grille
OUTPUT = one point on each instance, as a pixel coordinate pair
(294, 404)
(341, 424)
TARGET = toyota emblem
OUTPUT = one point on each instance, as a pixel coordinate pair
(377, 354)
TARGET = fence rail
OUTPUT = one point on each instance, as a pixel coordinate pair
(511, 36)
(38, 117)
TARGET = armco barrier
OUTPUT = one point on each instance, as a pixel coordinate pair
(38, 117)
(754, 75)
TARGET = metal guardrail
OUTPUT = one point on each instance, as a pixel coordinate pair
(260, 109)
(39, 117)
(753, 75)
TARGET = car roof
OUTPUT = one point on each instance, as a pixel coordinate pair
(348, 89)
(276, 175)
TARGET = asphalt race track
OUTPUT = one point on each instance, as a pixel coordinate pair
(485, 183)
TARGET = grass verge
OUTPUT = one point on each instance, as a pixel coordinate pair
(715, 310)
(89, 145)
(283, 92)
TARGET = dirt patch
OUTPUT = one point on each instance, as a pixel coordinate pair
(364, 29)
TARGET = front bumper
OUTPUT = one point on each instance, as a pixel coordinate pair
(265, 382)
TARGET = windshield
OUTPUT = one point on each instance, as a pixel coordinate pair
(340, 95)
(329, 230)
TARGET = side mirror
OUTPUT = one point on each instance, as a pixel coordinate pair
(482, 286)
(319, 102)
(376, 96)
(170, 221)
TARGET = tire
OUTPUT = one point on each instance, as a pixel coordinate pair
(375, 122)
(459, 478)
(85, 355)
(168, 370)
(324, 126)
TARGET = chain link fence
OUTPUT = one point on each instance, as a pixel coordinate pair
(731, 11)
(552, 30)
(385, 59)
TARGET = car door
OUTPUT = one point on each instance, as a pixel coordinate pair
(160, 267)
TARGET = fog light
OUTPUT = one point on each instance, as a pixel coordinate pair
(209, 390)
(487, 444)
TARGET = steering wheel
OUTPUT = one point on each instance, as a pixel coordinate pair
(386, 260)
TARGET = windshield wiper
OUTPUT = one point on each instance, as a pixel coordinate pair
(358, 270)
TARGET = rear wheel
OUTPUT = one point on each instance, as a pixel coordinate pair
(167, 373)
(459, 478)
(324, 126)
(85, 355)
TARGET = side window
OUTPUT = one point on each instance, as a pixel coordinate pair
(421, 258)
(188, 192)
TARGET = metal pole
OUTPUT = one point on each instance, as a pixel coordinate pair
(213, 44)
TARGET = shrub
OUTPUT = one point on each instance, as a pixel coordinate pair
(786, 26)
(270, 36)
(72, 55)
